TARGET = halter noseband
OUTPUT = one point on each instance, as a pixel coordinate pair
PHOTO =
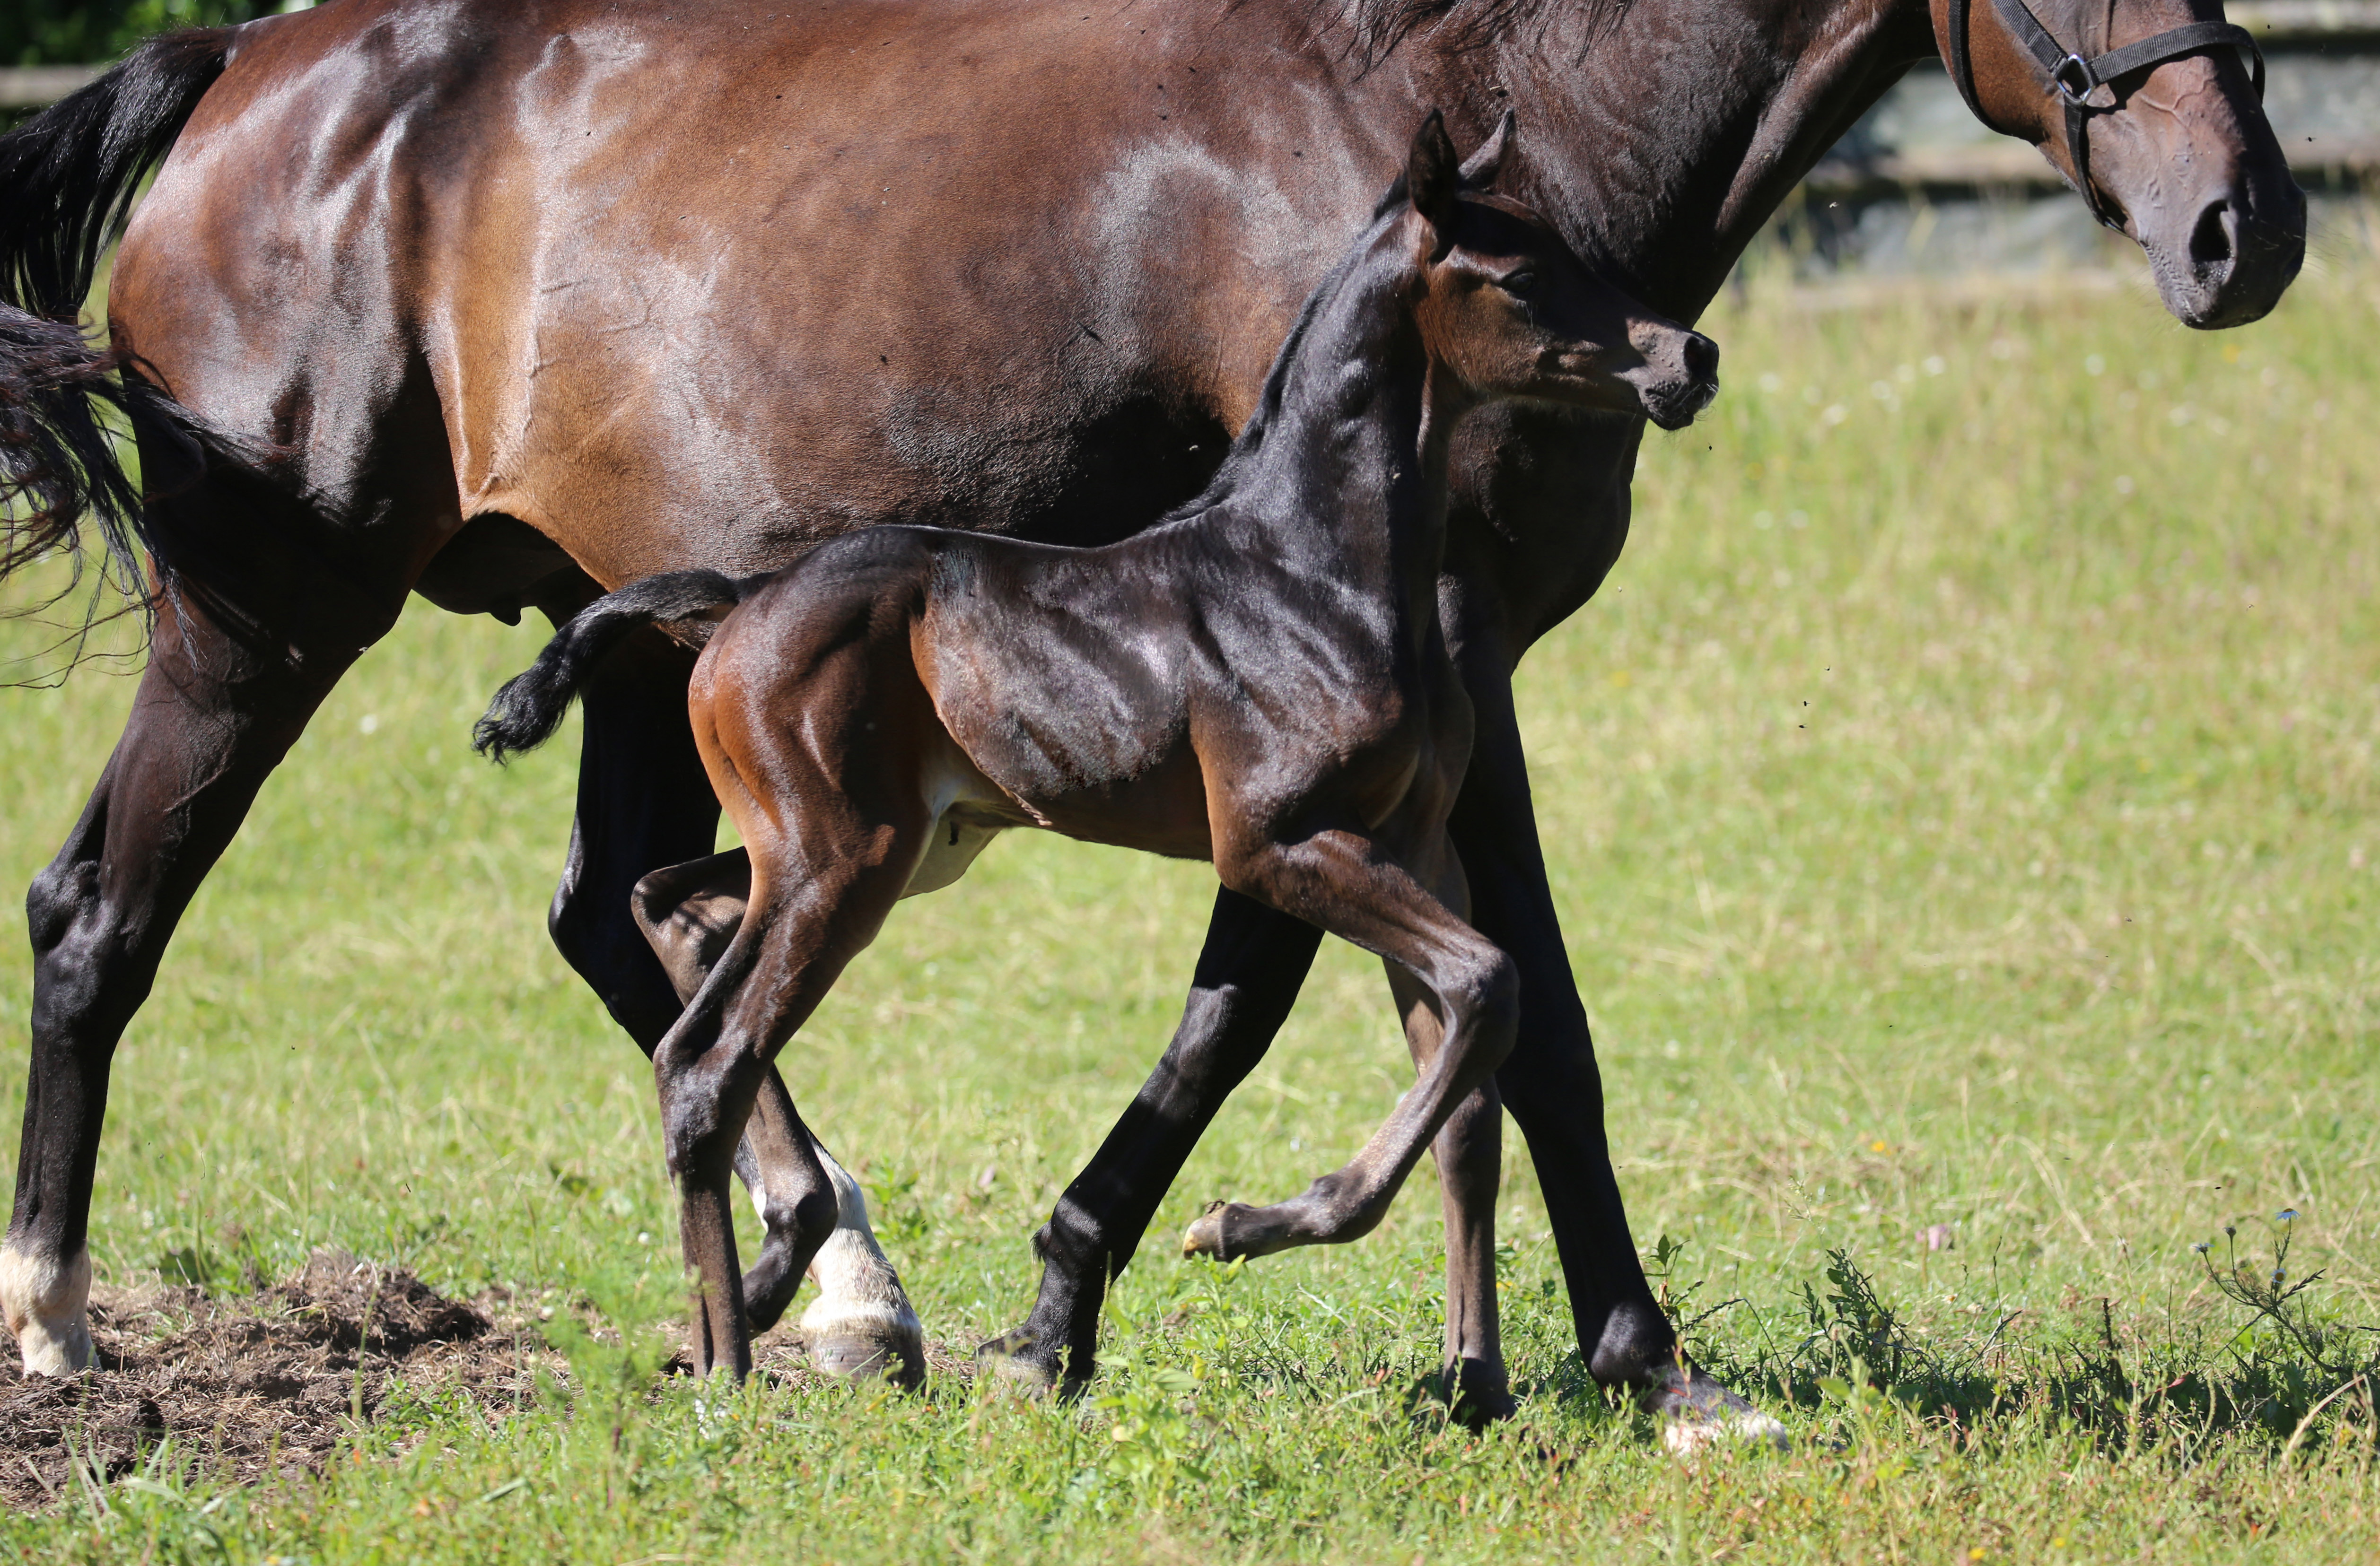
(2074, 79)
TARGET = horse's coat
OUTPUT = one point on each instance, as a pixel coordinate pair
(539, 297)
(1261, 681)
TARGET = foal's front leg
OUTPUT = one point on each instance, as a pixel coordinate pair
(1469, 1154)
(1351, 886)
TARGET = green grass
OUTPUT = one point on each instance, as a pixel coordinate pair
(1960, 802)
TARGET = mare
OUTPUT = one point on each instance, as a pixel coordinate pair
(540, 298)
(1260, 680)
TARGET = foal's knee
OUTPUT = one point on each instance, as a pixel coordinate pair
(1487, 997)
(705, 1102)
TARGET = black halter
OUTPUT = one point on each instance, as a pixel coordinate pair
(2074, 79)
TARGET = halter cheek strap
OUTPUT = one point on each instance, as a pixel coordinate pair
(2074, 79)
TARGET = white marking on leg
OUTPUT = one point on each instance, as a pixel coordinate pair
(46, 1304)
(859, 1294)
(1683, 1436)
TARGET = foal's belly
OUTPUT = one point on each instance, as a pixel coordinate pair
(1161, 811)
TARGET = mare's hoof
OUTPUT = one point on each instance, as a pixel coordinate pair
(866, 1359)
(1205, 1235)
(866, 1343)
(1017, 1358)
(1696, 1412)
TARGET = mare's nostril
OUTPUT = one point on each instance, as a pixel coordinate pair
(2216, 239)
(1701, 357)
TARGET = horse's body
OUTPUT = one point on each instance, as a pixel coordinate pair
(1259, 681)
(543, 297)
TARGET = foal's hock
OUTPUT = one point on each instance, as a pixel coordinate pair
(1261, 681)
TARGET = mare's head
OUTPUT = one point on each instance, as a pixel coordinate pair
(2153, 103)
(1509, 309)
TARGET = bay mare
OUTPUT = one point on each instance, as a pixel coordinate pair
(524, 301)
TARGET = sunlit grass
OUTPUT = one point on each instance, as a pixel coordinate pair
(1961, 804)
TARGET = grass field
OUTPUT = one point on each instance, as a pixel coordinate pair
(1962, 806)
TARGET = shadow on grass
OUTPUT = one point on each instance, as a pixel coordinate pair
(2277, 1363)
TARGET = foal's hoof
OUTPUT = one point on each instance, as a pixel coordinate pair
(769, 1288)
(1476, 1399)
(1205, 1235)
(1696, 1412)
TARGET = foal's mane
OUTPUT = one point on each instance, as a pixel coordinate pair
(1251, 438)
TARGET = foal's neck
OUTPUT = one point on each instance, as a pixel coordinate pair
(1345, 466)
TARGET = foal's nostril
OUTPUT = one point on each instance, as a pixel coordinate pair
(1701, 356)
(2216, 239)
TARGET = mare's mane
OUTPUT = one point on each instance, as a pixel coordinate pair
(1379, 26)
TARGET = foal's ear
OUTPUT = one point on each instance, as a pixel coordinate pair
(1433, 176)
(1480, 169)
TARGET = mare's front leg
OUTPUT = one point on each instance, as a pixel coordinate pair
(1405, 911)
(1551, 1085)
(861, 1323)
(210, 721)
(1254, 960)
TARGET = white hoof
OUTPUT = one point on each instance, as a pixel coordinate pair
(47, 1307)
(1685, 1435)
(862, 1339)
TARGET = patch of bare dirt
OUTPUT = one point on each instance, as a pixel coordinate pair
(254, 1385)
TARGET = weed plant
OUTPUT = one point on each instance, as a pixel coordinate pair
(1961, 801)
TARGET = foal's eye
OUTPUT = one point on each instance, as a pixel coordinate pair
(1520, 284)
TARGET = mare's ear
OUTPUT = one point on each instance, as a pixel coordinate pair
(1433, 176)
(1480, 169)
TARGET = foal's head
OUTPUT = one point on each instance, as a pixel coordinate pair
(1512, 311)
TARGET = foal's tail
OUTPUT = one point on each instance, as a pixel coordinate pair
(67, 178)
(530, 708)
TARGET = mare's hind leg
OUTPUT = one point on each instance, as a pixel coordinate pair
(209, 723)
(1351, 887)
(861, 1323)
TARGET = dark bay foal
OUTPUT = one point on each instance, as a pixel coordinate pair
(1259, 681)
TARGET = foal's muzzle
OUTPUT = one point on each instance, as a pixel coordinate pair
(1679, 377)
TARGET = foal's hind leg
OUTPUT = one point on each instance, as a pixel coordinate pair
(811, 915)
(645, 800)
(209, 723)
(861, 1324)
(1351, 887)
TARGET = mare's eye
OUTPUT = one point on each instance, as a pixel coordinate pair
(1520, 284)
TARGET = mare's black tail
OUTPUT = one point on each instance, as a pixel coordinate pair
(530, 708)
(67, 178)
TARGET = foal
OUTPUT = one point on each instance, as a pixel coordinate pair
(1261, 681)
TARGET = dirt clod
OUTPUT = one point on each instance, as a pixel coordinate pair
(247, 1385)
